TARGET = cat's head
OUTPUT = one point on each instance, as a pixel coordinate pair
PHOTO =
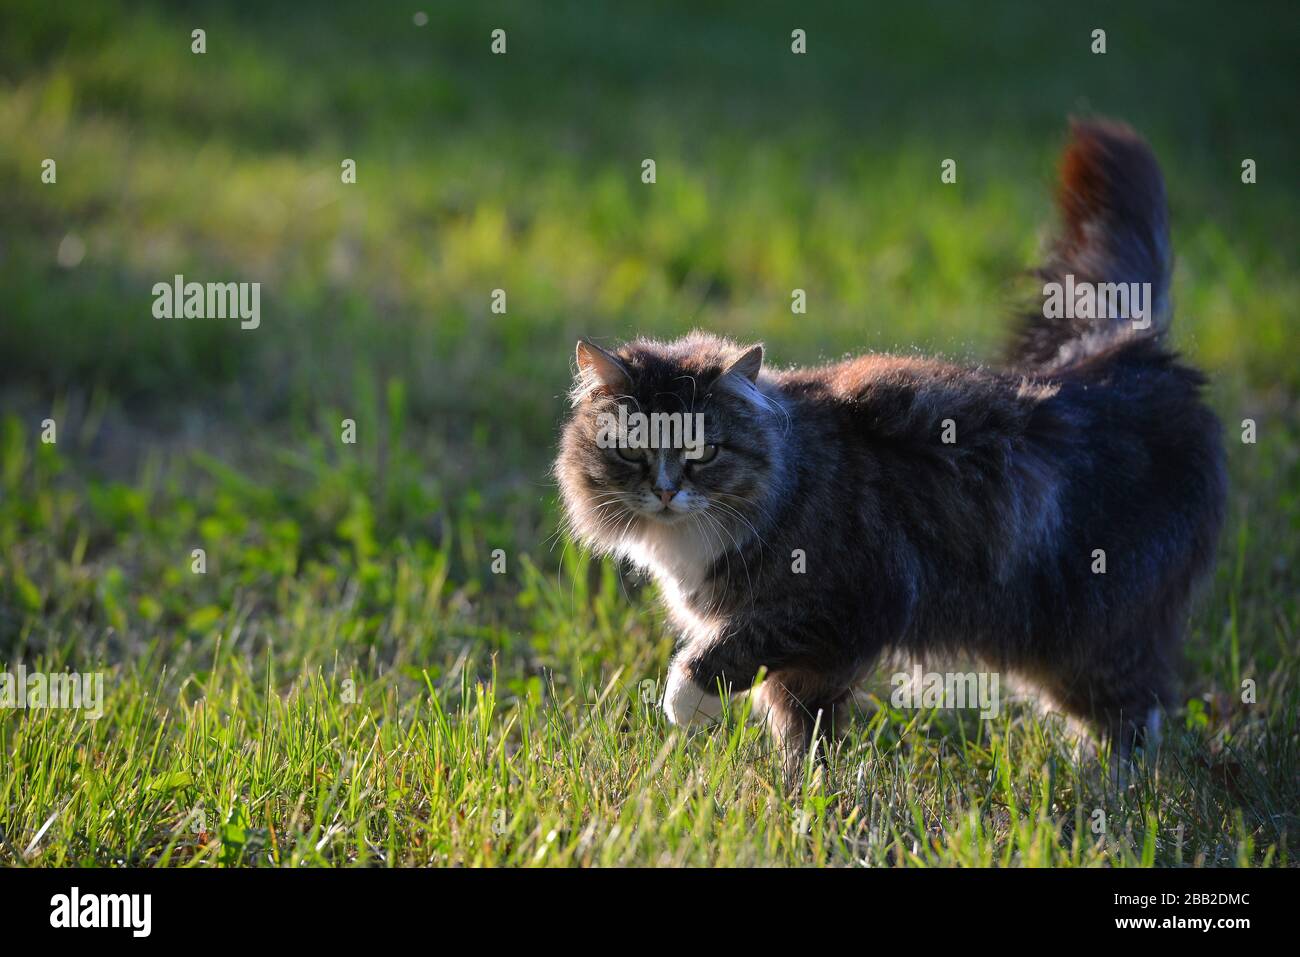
(667, 435)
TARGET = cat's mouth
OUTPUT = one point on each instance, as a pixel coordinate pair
(664, 516)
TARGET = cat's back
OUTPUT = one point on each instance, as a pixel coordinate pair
(909, 398)
(852, 379)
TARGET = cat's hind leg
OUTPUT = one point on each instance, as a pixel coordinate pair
(1123, 706)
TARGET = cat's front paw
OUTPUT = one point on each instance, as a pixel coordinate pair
(687, 703)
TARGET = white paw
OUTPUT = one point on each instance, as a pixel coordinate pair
(685, 703)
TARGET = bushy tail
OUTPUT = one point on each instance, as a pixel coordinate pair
(1115, 230)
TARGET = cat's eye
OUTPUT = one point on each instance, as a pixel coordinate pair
(629, 454)
(707, 454)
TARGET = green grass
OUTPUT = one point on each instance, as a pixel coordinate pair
(349, 682)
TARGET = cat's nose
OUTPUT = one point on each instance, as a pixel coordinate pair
(665, 494)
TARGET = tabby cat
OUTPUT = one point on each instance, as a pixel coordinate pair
(908, 505)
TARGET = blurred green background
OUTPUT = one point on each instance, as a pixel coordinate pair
(521, 172)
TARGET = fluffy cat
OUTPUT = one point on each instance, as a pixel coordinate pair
(909, 505)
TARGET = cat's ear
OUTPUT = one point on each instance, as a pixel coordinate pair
(598, 368)
(748, 365)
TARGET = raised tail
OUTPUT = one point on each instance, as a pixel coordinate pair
(1108, 273)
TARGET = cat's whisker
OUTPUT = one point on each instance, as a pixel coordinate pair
(736, 513)
(759, 506)
(713, 606)
(736, 547)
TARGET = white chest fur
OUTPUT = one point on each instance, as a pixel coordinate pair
(679, 557)
(682, 552)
